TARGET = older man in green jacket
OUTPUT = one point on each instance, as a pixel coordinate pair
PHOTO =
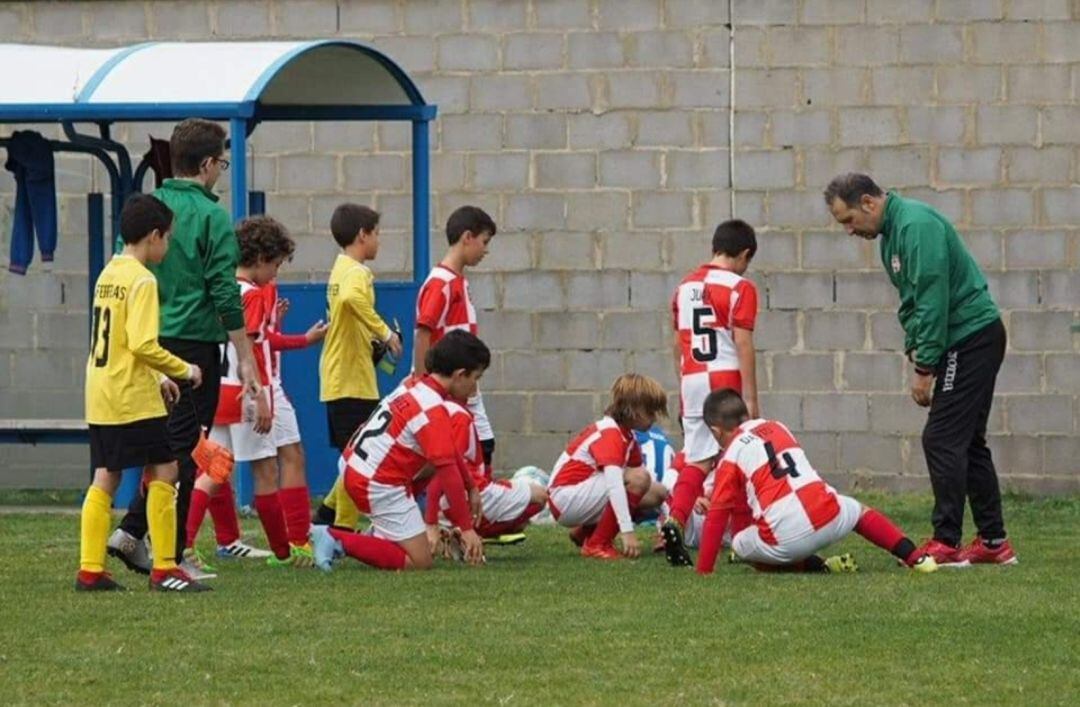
(954, 336)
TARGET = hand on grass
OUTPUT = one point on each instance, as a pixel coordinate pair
(630, 545)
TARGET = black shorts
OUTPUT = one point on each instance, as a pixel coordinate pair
(132, 444)
(344, 416)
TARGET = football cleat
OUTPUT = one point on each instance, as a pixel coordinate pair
(675, 544)
(451, 545)
(194, 571)
(325, 548)
(275, 561)
(302, 555)
(925, 564)
(600, 552)
(944, 555)
(175, 580)
(97, 582)
(506, 539)
(979, 553)
(194, 558)
(841, 564)
(240, 549)
(130, 550)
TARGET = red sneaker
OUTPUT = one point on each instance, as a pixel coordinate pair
(979, 553)
(96, 582)
(600, 552)
(944, 555)
(175, 580)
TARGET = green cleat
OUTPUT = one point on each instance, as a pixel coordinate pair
(506, 539)
(302, 555)
(275, 561)
(841, 564)
(196, 558)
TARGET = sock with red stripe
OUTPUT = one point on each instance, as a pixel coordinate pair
(878, 529)
(296, 505)
(377, 552)
(223, 511)
(200, 501)
(688, 488)
(268, 506)
(488, 529)
(608, 525)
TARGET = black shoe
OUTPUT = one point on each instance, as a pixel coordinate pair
(675, 545)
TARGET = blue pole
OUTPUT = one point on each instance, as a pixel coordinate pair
(238, 167)
(421, 158)
(95, 221)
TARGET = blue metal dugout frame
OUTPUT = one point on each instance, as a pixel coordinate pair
(243, 117)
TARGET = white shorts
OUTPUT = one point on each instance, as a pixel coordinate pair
(579, 504)
(393, 513)
(698, 441)
(502, 500)
(749, 546)
(480, 418)
(244, 442)
(286, 430)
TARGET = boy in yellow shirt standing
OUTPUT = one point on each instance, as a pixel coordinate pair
(346, 369)
(127, 385)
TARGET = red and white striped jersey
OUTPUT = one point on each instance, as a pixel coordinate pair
(270, 292)
(256, 321)
(408, 430)
(443, 304)
(467, 441)
(708, 304)
(603, 443)
(764, 468)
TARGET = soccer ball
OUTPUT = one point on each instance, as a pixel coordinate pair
(536, 475)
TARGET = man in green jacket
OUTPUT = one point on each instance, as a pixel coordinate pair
(200, 309)
(954, 337)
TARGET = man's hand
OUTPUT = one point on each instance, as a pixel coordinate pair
(250, 377)
(474, 547)
(922, 388)
(476, 509)
(263, 418)
(701, 505)
(196, 376)
(282, 309)
(170, 392)
(317, 332)
(630, 545)
(394, 344)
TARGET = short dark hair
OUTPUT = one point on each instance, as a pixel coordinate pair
(733, 237)
(457, 350)
(192, 141)
(141, 215)
(468, 218)
(263, 239)
(349, 219)
(850, 188)
(725, 409)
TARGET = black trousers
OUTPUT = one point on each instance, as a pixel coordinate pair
(954, 440)
(196, 408)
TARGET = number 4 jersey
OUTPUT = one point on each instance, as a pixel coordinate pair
(708, 305)
(123, 371)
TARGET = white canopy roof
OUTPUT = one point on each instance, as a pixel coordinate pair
(192, 74)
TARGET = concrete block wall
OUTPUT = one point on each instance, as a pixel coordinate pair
(596, 132)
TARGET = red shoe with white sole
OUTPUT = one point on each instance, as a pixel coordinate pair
(979, 553)
(944, 555)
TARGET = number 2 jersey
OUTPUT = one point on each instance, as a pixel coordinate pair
(123, 370)
(765, 469)
(707, 306)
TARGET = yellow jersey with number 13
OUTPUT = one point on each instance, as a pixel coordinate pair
(122, 371)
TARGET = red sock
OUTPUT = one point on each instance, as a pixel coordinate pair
(268, 506)
(688, 488)
(488, 529)
(223, 511)
(296, 505)
(608, 525)
(196, 512)
(377, 552)
(875, 527)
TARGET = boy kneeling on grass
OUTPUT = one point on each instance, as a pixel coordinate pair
(127, 387)
(407, 440)
(782, 512)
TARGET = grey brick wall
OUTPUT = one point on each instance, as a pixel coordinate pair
(596, 132)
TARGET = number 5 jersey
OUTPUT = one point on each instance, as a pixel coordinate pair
(123, 370)
(708, 304)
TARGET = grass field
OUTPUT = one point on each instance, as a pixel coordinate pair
(540, 626)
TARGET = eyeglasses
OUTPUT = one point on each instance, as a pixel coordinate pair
(223, 162)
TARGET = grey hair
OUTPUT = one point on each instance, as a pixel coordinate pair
(850, 188)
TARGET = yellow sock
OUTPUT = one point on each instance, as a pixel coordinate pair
(346, 514)
(331, 498)
(94, 530)
(161, 517)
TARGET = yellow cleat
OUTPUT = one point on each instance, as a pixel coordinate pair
(841, 564)
(925, 565)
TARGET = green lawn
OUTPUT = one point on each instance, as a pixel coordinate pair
(538, 625)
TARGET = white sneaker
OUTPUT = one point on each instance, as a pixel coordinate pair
(130, 550)
(194, 571)
(241, 550)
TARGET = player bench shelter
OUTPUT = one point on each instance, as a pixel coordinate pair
(243, 84)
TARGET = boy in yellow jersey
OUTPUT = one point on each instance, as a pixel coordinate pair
(346, 370)
(127, 386)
